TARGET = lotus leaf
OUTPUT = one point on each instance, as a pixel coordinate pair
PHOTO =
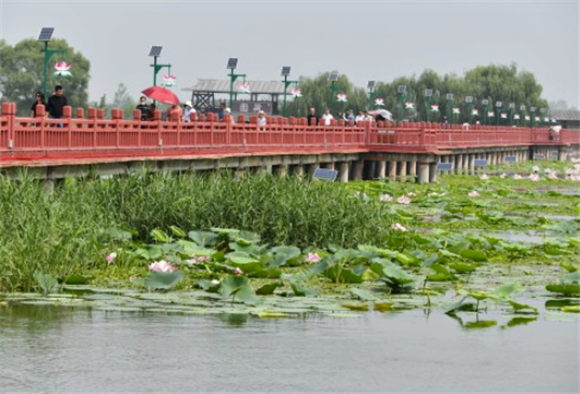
(162, 280)
(268, 289)
(474, 255)
(364, 295)
(203, 238)
(238, 288)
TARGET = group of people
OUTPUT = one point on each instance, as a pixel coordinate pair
(175, 111)
(54, 106)
(326, 118)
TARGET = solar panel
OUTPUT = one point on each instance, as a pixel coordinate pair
(484, 102)
(498, 103)
(522, 107)
(371, 85)
(449, 96)
(428, 92)
(554, 154)
(155, 51)
(285, 71)
(469, 99)
(333, 77)
(402, 89)
(325, 174)
(480, 162)
(533, 109)
(512, 105)
(46, 34)
(444, 166)
(509, 159)
(539, 156)
(232, 63)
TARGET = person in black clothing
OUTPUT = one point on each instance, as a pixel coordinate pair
(38, 101)
(143, 107)
(312, 115)
(56, 103)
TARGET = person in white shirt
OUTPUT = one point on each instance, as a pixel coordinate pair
(327, 117)
(368, 117)
(187, 111)
(360, 117)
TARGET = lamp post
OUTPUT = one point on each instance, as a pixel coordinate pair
(285, 73)
(45, 36)
(428, 93)
(371, 88)
(155, 52)
(512, 106)
(232, 65)
(533, 116)
(449, 98)
(498, 105)
(523, 115)
(469, 102)
(401, 90)
(484, 104)
(333, 78)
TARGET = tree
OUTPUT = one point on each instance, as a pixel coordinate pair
(23, 73)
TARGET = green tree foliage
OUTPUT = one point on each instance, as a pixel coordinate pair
(493, 82)
(22, 73)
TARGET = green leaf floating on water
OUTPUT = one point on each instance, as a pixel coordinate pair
(463, 268)
(364, 295)
(508, 290)
(480, 324)
(521, 320)
(238, 288)
(522, 307)
(209, 286)
(301, 291)
(564, 289)
(268, 289)
(571, 309)
(474, 255)
(162, 280)
(47, 282)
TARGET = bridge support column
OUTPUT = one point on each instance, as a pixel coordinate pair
(299, 170)
(561, 154)
(312, 169)
(392, 170)
(432, 172)
(459, 164)
(330, 166)
(403, 169)
(381, 169)
(357, 172)
(48, 185)
(413, 169)
(423, 172)
(281, 170)
(472, 164)
(343, 171)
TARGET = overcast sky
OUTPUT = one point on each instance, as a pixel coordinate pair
(377, 40)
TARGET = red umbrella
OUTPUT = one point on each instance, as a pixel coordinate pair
(162, 95)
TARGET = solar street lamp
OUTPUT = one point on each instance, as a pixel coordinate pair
(469, 102)
(45, 36)
(402, 90)
(333, 78)
(371, 88)
(522, 115)
(484, 104)
(498, 105)
(532, 117)
(232, 65)
(428, 93)
(155, 52)
(285, 73)
(512, 107)
(449, 98)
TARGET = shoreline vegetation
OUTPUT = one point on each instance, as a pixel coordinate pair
(276, 247)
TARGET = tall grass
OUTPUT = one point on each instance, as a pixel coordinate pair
(58, 233)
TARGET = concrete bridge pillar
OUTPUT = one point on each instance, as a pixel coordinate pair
(472, 164)
(357, 172)
(330, 165)
(343, 171)
(299, 170)
(281, 170)
(423, 175)
(312, 169)
(48, 185)
(381, 169)
(459, 164)
(392, 170)
(403, 169)
(432, 172)
(413, 168)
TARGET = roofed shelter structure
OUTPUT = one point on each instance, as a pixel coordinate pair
(568, 118)
(206, 92)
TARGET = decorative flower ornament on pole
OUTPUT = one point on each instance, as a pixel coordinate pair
(169, 80)
(503, 115)
(537, 118)
(527, 117)
(409, 105)
(243, 87)
(516, 116)
(62, 69)
(475, 112)
(490, 114)
(379, 102)
(341, 97)
(456, 111)
(434, 108)
(296, 92)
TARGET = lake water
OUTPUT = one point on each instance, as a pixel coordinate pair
(58, 349)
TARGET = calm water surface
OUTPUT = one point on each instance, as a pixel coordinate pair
(56, 349)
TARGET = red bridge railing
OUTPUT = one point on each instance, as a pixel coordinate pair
(95, 134)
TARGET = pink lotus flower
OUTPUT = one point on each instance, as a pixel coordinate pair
(110, 258)
(484, 177)
(574, 160)
(411, 194)
(238, 271)
(517, 177)
(162, 266)
(548, 170)
(313, 258)
(577, 167)
(553, 176)
(535, 168)
(473, 194)
(404, 200)
(385, 197)
(575, 178)
(534, 177)
(398, 227)
(502, 176)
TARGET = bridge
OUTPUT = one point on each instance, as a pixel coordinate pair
(79, 145)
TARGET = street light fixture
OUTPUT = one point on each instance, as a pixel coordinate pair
(285, 73)
(484, 104)
(333, 78)
(45, 36)
(155, 52)
(469, 102)
(498, 105)
(512, 106)
(402, 90)
(428, 93)
(449, 105)
(232, 65)
(371, 88)
(533, 118)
